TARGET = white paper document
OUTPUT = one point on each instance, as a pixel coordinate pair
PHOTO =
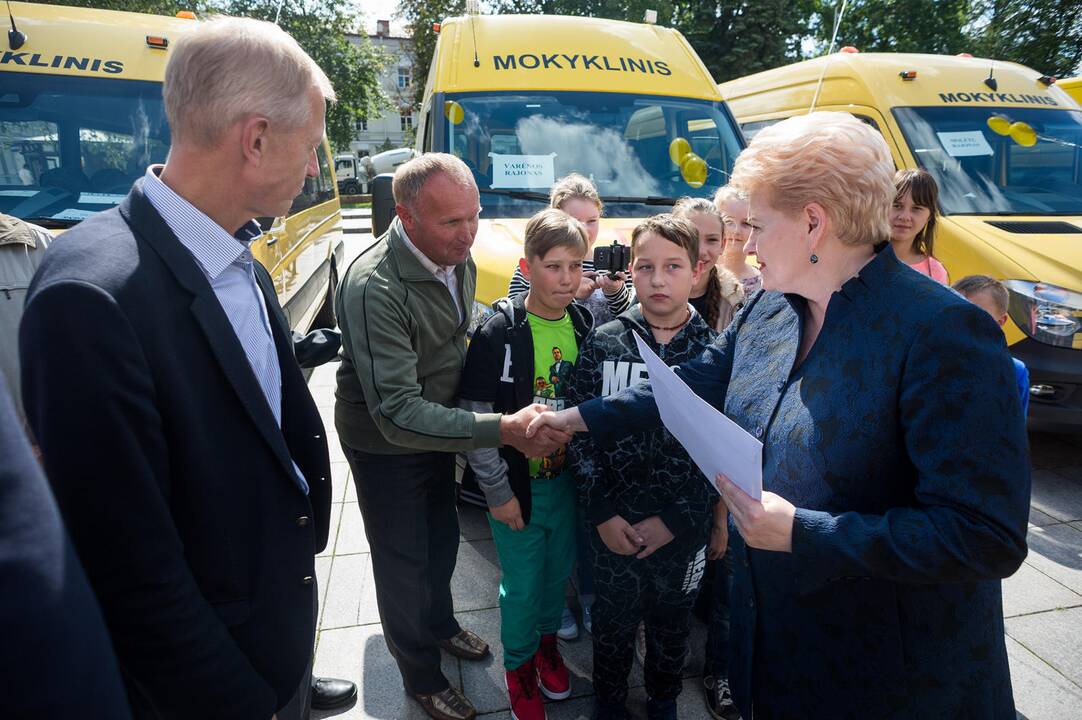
(714, 442)
(523, 171)
(965, 144)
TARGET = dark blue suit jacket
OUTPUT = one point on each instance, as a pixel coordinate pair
(169, 468)
(56, 660)
(901, 441)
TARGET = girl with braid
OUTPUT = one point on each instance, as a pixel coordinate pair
(717, 294)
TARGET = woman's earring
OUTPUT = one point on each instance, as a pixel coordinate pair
(814, 259)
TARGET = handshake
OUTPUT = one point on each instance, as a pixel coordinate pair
(543, 441)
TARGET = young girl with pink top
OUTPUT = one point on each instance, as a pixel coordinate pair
(912, 223)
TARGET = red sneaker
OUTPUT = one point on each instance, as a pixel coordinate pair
(552, 675)
(526, 703)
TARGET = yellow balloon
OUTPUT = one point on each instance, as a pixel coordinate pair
(693, 169)
(1023, 134)
(679, 149)
(453, 112)
(999, 124)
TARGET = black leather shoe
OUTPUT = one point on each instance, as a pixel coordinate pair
(331, 693)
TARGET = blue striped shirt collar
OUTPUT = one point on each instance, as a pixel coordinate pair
(211, 245)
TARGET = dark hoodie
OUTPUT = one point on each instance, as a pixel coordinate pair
(645, 473)
(498, 377)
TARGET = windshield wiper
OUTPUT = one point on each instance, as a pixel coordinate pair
(48, 222)
(642, 199)
(542, 197)
(519, 194)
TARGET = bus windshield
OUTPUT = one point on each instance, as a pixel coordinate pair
(72, 146)
(999, 161)
(639, 151)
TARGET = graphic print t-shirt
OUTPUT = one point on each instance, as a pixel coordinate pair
(554, 354)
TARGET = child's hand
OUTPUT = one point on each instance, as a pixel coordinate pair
(587, 285)
(654, 535)
(719, 542)
(719, 534)
(567, 422)
(619, 536)
(611, 284)
(510, 514)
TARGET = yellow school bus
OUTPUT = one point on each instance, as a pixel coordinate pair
(1004, 143)
(81, 118)
(527, 99)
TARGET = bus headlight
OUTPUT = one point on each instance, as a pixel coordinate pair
(1046, 313)
(478, 315)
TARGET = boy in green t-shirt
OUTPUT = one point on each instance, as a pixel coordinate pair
(524, 354)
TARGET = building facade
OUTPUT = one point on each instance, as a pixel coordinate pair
(394, 128)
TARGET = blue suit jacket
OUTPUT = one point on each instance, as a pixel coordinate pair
(901, 441)
(172, 475)
(56, 660)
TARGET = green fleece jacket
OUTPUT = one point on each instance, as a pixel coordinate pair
(403, 348)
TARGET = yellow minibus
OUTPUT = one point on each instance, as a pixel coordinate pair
(1004, 143)
(81, 118)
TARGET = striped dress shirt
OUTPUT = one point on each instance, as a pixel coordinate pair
(444, 273)
(227, 262)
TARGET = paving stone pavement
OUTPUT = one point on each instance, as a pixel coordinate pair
(1042, 604)
(357, 221)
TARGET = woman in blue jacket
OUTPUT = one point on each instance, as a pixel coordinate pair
(895, 468)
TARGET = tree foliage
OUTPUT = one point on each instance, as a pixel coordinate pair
(1046, 35)
(736, 38)
(154, 7)
(320, 27)
(419, 16)
(732, 38)
(909, 26)
(740, 38)
(630, 10)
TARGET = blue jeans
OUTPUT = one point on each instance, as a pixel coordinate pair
(717, 636)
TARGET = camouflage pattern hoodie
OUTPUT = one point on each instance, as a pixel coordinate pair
(645, 473)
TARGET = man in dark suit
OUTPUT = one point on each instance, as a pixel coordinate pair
(318, 347)
(50, 622)
(185, 452)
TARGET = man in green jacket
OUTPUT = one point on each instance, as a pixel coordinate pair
(403, 308)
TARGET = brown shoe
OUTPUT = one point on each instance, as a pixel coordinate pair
(465, 645)
(447, 704)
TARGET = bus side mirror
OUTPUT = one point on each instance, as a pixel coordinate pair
(382, 203)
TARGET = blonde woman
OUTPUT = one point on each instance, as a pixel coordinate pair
(895, 467)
